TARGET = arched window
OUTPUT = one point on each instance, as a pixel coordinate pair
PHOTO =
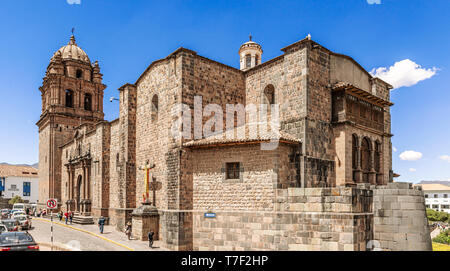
(256, 59)
(248, 61)
(269, 95)
(377, 157)
(155, 107)
(69, 98)
(87, 102)
(355, 148)
(365, 158)
(79, 73)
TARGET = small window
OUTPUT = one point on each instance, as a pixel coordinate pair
(445, 195)
(155, 108)
(248, 61)
(79, 73)
(233, 170)
(256, 60)
(69, 98)
(426, 196)
(435, 196)
(269, 95)
(88, 102)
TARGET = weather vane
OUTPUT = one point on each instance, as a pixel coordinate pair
(73, 30)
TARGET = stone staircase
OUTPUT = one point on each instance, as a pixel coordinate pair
(83, 220)
(77, 219)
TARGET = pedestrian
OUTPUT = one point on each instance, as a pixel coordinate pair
(71, 217)
(150, 238)
(60, 215)
(66, 215)
(128, 230)
(101, 224)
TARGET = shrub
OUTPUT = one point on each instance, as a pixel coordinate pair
(16, 199)
(443, 238)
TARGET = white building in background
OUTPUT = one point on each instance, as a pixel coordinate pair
(437, 197)
(20, 181)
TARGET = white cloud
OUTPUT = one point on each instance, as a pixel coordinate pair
(404, 73)
(445, 158)
(412, 169)
(371, 2)
(410, 155)
(394, 149)
(76, 2)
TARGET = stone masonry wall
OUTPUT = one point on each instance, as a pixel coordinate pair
(306, 219)
(400, 221)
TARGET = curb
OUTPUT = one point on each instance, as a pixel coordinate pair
(85, 231)
(56, 246)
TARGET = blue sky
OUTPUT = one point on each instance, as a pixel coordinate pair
(126, 36)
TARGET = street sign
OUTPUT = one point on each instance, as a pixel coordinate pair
(210, 215)
(52, 203)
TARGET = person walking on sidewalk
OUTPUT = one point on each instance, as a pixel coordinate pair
(128, 230)
(101, 224)
(71, 217)
(66, 215)
(150, 238)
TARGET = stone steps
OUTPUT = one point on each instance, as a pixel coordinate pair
(77, 219)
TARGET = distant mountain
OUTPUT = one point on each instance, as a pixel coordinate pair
(436, 182)
(35, 165)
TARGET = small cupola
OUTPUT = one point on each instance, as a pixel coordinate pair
(250, 54)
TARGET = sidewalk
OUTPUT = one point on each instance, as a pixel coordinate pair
(110, 234)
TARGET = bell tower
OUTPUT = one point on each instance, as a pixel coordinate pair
(72, 95)
(250, 54)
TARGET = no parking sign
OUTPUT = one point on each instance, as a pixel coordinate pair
(52, 203)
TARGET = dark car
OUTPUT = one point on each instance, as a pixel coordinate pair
(17, 241)
(10, 224)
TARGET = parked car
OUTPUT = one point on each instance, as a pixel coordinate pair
(4, 213)
(25, 222)
(10, 224)
(18, 213)
(3, 228)
(17, 241)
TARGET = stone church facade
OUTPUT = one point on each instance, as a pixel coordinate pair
(328, 185)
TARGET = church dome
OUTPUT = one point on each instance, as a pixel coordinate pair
(72, 52)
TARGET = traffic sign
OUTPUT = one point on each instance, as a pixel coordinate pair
(52, 203)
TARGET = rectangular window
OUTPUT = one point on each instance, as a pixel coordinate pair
(26, 189)
(445, 195)
(435, 196)
(435, 206)
(426, 196)
(233, 170)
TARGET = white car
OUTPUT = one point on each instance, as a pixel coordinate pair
(18, 213)
(25, 223)
(3, 228)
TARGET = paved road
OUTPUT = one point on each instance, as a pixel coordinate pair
(73, 238)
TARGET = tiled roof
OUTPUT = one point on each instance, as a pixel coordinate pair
(231, 137)
(434, 187)
(18, 171)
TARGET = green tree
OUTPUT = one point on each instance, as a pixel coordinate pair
(16, 199)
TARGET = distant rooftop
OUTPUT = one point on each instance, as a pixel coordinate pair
(18, 171)
(434, 187)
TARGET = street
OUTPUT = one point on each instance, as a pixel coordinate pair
(84, 237)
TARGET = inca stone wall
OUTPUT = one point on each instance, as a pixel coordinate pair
(305, 219)
(400, 221)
